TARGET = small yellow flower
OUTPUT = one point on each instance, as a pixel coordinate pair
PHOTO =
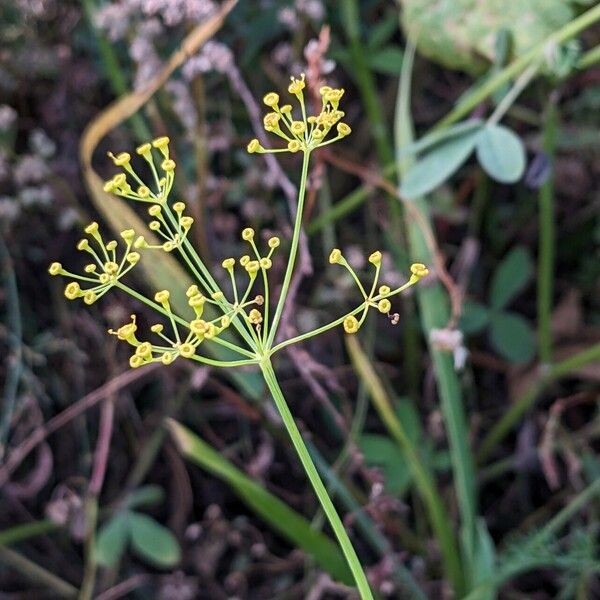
(298, 127)
(168, 165)
(157, 328)
(187, 222)
(73, 290)
(55, 268)
(335, 257)
(351, 324)
(160, 143)
(254, 146)
(90, 297)
(375, 258)
(143, 191)
(265, 263)
(252, 266)
(144, 350)
(244, 260)
(254, 317)
(343, 129)
(136, 361)
(419, 270)
(92, 228)
(192, 291)
(133, 258)
(273, 242)
(144, 149)
(228, 263)
(384, 306)
(128, 235)
(294, 146)
(167, 358)
(271, 99)
(91, 268)
(187, 350)
(297, 85)
(179, 207)
(271, 121)
(121, 160)
(127, 332)
(384, 290)
(162, 297)
(248, 234)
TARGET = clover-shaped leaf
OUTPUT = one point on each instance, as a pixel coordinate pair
(511, 277)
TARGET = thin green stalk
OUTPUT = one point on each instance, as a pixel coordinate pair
(528, 399)
(546, 242)
(438, 516)
(293, 251)
(569, 31)
(24, 531)
(434, 312)
(313, 475)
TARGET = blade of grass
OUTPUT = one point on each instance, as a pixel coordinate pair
(438, 517)
(271, 509)
(24, 531)
(434, 314)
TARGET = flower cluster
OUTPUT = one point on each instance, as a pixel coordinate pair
(306, 132)
(105, 270)
(377, 297)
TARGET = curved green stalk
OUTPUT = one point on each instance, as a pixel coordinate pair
(315, 480)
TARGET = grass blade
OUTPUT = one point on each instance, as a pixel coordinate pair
(276, 513)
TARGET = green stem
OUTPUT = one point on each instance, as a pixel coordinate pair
(317, 483)
(293, 251)
(570, 30)
(24, 531)
(526, 401)
(546, 242)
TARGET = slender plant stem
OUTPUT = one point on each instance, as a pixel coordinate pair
(546, 242)
(293, 251)
(317, 483)
(526, 401)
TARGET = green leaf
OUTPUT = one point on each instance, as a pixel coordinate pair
(474, 318)
(153, 542)
(438, 164)
(381, 31)
(511, 277)
(512, 337)
(440, 135)
(381, 451)
(484, 560)
(388, 60)
(501, 153)
(271, 509)
(146, 495)
(111, 540)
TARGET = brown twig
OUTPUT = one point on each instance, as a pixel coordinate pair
(119, 382)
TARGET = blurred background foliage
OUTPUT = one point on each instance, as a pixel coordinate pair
(461, 443)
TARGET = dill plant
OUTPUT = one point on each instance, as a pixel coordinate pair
(238, 319)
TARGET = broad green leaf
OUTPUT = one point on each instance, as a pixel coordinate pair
(271, 509)
(474, 318)
(111, 540)
(388, 60)
(512, 337)
(460, 33)
(501, 153)
(153, 542)
(146, 495)
(511, 277)
(438, 164)
(381, 451)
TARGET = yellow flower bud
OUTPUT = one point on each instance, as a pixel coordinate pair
(335, 257)
(179, 207)
(271, 99)
(55, 268)
(128, 235)
(273, 242)
(157, 328)
(252, 266)
(140, 242)
(384, 306)
(286, 109)
(244, 260)
(73, 290)
(144, 350)
(265, 263)
(90, 297)
(144, 149)
(294, 146)
(127, 332)
(111, 267)
(187, 350)
(92, 228)
(375, 258)
(228, 263)
(143, 191)
(136, 361)
(162, 297)
(122, 159)
(186, 222)
(218, 296)
(248, 234)
(384, 290)
(133, 258)
(91, 268)
(254, 146)
(351, 324)
(419, 270)
(298, 127)
(297, 85)
(167, 358)
(168, 165)
(343, 129)
(192, 291)
(160, 143)
(254, 317)
(112, 245)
